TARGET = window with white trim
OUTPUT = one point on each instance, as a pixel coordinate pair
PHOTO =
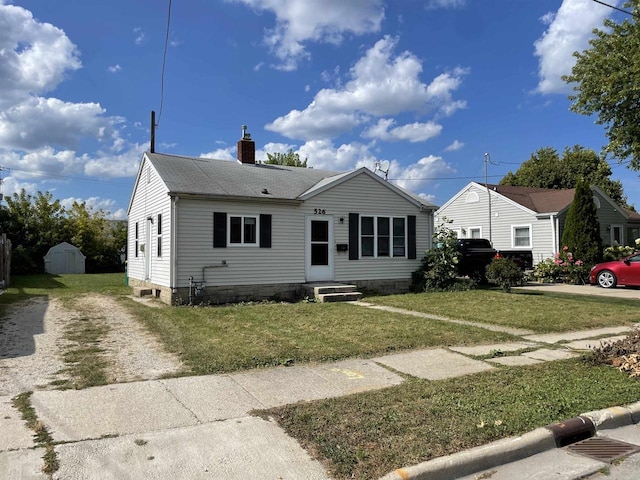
(475, 232)
(243, 230)
(521, 236)
(383, 236)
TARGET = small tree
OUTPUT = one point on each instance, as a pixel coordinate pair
(289, 159)
(438, 271)
(581, 229)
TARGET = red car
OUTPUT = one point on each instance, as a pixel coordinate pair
(625, 271)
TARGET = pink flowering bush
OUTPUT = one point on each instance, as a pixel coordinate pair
(563, 268)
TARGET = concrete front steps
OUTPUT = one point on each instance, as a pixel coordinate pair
(332, 292)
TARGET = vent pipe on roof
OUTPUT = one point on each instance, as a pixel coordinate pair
(246, 148)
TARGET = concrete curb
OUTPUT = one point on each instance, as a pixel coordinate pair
(512, 449)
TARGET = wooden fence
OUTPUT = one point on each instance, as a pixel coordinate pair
(5, 261)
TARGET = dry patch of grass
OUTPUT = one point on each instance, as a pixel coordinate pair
(369, 434)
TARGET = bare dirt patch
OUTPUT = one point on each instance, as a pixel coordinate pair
(34, 339)
(31, 337)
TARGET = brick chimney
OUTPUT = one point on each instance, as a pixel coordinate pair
(246, 148)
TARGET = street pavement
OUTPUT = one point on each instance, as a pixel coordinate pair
(202, 427)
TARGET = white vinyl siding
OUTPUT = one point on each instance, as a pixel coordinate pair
(282, 263)
(504, 215)
(368, 198)
(150, 201)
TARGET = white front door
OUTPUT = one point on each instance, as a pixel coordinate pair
(319, 248)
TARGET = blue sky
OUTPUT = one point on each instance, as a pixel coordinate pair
(428, 85)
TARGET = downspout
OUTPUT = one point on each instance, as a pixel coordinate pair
(174, 247)
(554, 239)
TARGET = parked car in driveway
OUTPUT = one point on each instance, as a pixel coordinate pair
(625, 271)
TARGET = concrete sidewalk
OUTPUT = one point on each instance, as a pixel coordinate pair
(201, 427)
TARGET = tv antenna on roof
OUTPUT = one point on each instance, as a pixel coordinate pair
(382, 167)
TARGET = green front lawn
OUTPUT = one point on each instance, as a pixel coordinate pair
(540, 312)
(224, 339)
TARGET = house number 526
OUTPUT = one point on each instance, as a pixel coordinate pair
(319, 211)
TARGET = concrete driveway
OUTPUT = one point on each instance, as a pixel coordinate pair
(618, 292)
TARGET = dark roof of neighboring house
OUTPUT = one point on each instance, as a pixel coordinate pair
(633, 215)
(539, 200)
(211, 177)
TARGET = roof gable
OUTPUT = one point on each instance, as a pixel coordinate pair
(336, 180)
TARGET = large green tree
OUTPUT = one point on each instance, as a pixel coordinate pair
(289, 159)
(546, 169)
(605, 81)
(581, 228)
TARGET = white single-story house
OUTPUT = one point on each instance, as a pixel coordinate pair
(530, 220)
(64, 258)
(226, 231)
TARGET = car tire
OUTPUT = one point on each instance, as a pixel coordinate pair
(607, 279)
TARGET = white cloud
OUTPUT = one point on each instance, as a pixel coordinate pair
(34, 56)
(413, 132)
(12, 184)
(321, 21)
(47, 163)
(323, 155)
(381, 84)
(228, 153)
(140, 36)
(569, 31)
(455, 146)
(108, 165)
(49, 121)
(417, 176)
(434, 4)
(114, 68)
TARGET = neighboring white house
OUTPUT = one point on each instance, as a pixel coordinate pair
(530, 219)
(228, 231)
(64, 258)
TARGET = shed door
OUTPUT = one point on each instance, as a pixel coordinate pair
(319, 248)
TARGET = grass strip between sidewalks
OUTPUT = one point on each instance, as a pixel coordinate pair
(540, 312)
(369, 434)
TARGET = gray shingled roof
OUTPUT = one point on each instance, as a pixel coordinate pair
(205, 176)
(210, 177)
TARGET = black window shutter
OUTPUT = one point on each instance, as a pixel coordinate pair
(265, 231)
(219, 230)
(411, 238)
(354, 236)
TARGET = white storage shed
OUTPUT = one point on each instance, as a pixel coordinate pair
(64, 258)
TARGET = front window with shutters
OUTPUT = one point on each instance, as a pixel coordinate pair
(383, 236)
(243, 230)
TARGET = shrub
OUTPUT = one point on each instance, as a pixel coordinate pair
(563, 268)
(616, 252)
(438, 270)
(505, 273)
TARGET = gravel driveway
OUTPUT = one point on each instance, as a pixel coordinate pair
(32, 343)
